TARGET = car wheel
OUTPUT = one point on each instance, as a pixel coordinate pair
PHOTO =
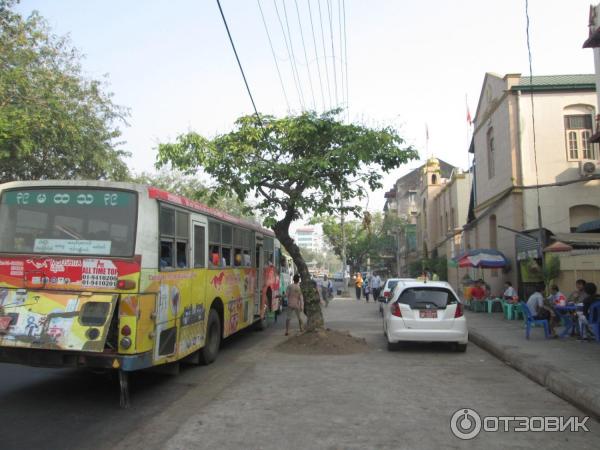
(460, 347)
(209, 352)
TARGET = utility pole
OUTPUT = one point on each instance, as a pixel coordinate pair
(343, 242)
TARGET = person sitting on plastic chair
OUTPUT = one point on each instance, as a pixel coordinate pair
(539, 310)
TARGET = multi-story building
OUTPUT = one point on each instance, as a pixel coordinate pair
(309, 238)
(402, 201)
(531, 143)
(444, 203)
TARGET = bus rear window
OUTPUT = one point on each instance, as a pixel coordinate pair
(68, 221)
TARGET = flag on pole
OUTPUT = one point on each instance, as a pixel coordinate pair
(469, 118)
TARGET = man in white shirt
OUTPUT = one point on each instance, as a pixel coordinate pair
(509, 292)
(376, 286)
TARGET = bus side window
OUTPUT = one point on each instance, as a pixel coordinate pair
(214, 256)
(225, 256)
(237, 257)
(246, 259)
(182, 255)
(166, 254)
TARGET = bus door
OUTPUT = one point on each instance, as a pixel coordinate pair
(259, 263)
(194, 311)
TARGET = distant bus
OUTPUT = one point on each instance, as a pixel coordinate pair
(126, 277)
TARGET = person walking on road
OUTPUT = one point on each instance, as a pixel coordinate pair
(376, 286)
(295, 304)
(326, 290)
(358, 283)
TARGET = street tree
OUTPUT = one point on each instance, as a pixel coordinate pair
(54, 122)
(293, 166)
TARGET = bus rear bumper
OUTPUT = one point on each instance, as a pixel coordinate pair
(73, 359)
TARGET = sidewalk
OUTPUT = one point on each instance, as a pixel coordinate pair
(567, 367)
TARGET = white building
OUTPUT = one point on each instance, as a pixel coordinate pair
(309, 238)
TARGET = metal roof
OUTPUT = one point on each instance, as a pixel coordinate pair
(553, 82)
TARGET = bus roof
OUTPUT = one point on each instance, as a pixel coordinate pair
(153, 192)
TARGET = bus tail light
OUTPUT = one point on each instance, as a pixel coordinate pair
(126, 330)
(126, 285)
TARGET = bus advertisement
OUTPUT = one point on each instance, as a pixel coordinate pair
(126, 277)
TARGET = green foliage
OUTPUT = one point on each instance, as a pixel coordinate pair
(193, 188)
(551, 269)
(54, 123)
(364, 239)
(438, 265)
(326, 260)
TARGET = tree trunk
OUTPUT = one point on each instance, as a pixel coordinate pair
(312, 300)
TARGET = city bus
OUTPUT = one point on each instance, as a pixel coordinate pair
(123, 276)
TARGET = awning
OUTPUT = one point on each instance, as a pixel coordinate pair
(586, 227)
(558, 246)
(484, 258)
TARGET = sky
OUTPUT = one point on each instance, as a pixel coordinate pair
(408, 63)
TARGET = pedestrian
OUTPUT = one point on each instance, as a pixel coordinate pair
(326, 290)
(295, 304)
(376, 286)
(358, 283)
(367, 290)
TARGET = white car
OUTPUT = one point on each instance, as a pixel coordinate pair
(425, 312)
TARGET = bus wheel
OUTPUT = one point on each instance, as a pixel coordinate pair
(213, 339)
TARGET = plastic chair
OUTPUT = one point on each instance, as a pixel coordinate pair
(530, 321)
(490, 303)
(594, 319)
(510, 310)
(478, 306)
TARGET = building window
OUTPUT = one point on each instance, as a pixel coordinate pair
(580, 214)
(578, 130)
(491, 155)
(493, 232)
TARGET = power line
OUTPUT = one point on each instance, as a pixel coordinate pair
(239, 63)
(287, 25)
(312, 92)
(274, 56)
(341, 54)
(294, 71)
(329, 12)
(316, 55)
(324, 53)
(346, 62)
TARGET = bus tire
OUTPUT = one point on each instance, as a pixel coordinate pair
(209, 352)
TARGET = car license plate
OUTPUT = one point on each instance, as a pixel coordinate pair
(5, 323)
(428, 314)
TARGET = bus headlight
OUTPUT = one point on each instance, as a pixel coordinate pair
(125, 343)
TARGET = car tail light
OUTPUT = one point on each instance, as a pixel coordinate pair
(459, 310)
(387, 294)
(396, 310)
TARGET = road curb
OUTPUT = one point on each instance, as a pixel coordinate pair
(552, 378)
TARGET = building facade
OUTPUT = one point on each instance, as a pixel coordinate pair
(402, 201)
(531, 141)
(309, 238)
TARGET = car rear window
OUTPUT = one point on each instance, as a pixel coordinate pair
(392, 284)
(424, 297)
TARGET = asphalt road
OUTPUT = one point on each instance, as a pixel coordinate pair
(254, 397)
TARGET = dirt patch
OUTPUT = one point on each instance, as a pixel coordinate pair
(324, 342)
